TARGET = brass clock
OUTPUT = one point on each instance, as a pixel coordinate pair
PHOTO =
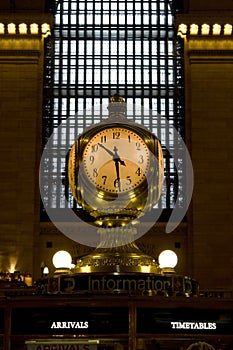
(115, 171)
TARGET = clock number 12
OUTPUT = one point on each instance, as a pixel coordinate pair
(116, 135)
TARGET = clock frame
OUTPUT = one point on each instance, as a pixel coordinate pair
(115, 172)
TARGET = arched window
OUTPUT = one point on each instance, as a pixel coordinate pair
(103, 47)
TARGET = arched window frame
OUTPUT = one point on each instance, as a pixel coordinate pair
(73, 79)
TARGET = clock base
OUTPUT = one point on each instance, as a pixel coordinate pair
(117, 253)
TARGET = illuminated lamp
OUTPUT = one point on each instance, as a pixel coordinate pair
(34, 28)
(194, 29)
(11, 27)
(45, 29)
(45, 271)
(227, 29)
(167, 261)
(22, 28)
(2, 28)
(216, 29)
(205, 29)
(62, 261)
(182, 30)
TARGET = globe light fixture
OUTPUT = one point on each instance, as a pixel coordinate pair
(167, 261)
(62, 261)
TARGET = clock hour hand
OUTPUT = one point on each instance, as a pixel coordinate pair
(117, 160)
(116, 157)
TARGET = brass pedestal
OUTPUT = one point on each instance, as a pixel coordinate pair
(117, 253)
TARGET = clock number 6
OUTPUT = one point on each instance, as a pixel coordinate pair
(117, 183)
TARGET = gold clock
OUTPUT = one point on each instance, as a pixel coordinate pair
(116, 160)
(115, 168)
(116, 172)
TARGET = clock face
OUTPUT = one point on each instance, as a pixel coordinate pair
(116, 160)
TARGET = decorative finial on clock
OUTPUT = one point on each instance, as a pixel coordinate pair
(116, 98)
(117, 107)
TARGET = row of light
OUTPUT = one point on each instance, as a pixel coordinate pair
(62, 259)
(23, 28)
(204, 29)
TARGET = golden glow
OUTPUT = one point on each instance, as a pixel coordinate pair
(13, 262)
(216, 29)
(34, 28)
(86, 269)
(22, 28)
(100, 195)
(11, 27)
(227, 29)
(28, 280)
(182, 30)
(205, 29)
(45, 28)
(12, 268)
(145, 269)
(194, 29)
(2, 28)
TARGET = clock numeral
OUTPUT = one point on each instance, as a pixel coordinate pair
(141, 159)
(95, 172)
(128, 180)
(104, 177)
(94, 148)
(117, 183)
(103, 139)
(129, 138)
(92, 158)
(138, 171)
(116, 135)
(138, 146)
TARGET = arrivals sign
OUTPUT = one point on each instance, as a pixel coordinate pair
(56, 345)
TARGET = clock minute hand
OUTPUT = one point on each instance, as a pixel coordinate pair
(106, 149)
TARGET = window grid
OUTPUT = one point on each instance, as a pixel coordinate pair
(104, 47)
